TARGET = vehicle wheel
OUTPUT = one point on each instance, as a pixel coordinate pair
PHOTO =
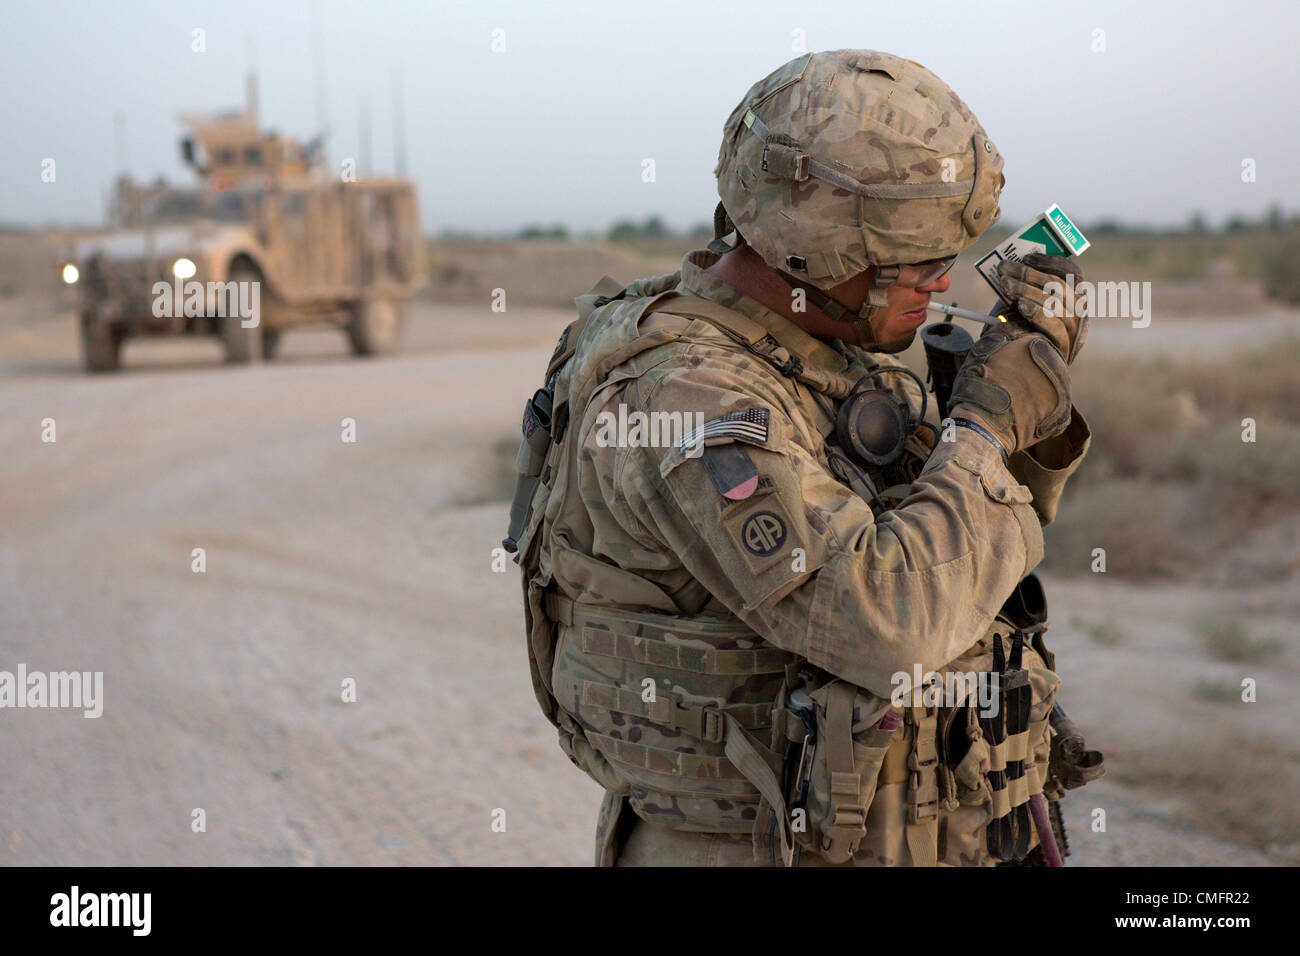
(376, 326)
(271, 343)
(243, 345)
(101, 346)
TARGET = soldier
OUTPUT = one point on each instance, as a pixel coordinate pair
(718, 620)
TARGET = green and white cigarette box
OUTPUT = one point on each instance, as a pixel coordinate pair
(1052, 233)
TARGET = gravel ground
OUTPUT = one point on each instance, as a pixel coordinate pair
(370, 561)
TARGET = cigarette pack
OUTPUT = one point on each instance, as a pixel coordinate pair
(1052, 233)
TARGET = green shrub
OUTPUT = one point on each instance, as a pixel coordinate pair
(1228, 639)
(1278, 265)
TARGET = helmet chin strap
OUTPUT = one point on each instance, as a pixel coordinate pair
(860, 320)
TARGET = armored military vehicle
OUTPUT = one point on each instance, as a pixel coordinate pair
(266, 241)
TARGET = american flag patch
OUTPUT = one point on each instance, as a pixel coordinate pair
(748, 424)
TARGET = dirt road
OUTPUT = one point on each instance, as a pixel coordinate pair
(326, 561)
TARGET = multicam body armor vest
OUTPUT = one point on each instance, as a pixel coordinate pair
(699, 723)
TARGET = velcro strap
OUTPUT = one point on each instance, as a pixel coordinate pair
(660, 760)
(559, 608)
(983, 393)
(702, 721)
(699, 660)
(1017, 746)
(788, 162)
(824, 264)
(997, 756)
(756, 762)
(1018, 791)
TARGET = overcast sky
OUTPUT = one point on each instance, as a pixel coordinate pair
(554, 129)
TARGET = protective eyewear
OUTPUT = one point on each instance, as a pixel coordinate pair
(919, 274)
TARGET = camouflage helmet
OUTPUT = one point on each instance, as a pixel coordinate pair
(848, 159)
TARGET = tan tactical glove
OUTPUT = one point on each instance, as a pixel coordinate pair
(1055, 313)
(1015, 384)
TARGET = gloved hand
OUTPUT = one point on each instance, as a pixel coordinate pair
(1015, 383)
(1055, 315)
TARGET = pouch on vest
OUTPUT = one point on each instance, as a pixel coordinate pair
(854, 729)
(537, 419)
(529, 460)
(999, 758)
(831, 788)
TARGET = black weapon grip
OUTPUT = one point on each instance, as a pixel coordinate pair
(946, 346)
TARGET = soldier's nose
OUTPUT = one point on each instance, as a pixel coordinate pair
(940, 284)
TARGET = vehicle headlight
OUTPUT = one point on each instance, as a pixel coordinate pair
(70, 274)
(184, 268)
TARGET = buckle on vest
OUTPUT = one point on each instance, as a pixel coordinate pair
(922, 795)
(916, 762)
(921, 812)
(850, 818)
(705, 722)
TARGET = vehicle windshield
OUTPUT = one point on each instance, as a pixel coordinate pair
(226, 206)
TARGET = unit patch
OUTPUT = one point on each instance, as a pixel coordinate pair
(733, 472)
(763, 533)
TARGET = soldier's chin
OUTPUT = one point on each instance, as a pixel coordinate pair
(894, 346)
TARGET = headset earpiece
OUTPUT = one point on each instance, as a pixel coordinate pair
(872, 425)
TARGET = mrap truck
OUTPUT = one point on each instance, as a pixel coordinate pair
(266, 241)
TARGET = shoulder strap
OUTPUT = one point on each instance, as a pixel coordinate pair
(756, 339)
(749, 331)
(603, 292)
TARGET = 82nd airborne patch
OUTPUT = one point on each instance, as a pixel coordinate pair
(763, 533)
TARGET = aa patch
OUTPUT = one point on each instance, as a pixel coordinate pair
(763, 533)
(747, 424)
(733, 472)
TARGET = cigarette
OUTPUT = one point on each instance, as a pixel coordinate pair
(967, 314)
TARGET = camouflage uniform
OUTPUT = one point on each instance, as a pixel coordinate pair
(873, 594)
(713, 571)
